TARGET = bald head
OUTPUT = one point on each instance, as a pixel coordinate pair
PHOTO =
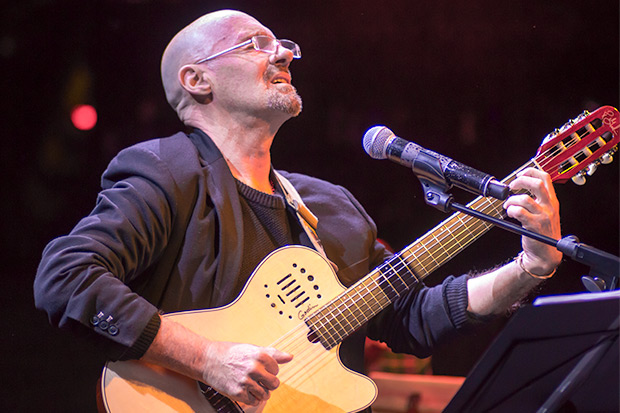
(196, 41)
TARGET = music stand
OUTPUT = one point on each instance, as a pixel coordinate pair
(562, 352)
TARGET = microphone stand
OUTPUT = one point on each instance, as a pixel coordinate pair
(604, 267)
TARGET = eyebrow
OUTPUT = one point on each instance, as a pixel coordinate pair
(245, 37)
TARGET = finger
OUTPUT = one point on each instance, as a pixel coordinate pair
(271, 357)
(536, 181)
(521, 214)
(535, 173)
(260, 393)
(522, 201)
(535, 186)
(264, 378)
(268, 381)
(280, 356)
(251, 399)
(267, 362)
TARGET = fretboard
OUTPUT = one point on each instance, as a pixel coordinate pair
(339, 318)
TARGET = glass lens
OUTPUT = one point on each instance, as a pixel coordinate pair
(269, 45)
(265, 43)
(292, 46)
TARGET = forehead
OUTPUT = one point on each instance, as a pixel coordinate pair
(238, 28)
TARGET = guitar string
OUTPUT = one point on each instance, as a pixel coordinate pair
(409, 251)
(376, 287)
(312, 357)
(301, 366)
(379, 287)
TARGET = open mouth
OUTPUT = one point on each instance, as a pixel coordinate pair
(281, 78)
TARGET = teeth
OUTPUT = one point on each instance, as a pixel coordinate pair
(279, 81)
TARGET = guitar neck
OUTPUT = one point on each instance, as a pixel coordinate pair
(339, 318)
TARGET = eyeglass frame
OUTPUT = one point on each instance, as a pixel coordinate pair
(296, 51)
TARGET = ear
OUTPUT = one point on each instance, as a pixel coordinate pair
(195, 82)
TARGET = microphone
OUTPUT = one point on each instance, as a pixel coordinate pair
(381, 143)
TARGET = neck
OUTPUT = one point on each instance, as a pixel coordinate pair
(246, 150)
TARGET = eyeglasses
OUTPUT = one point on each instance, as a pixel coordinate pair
(262, 44)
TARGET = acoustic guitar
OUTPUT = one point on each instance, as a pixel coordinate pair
(294, 302)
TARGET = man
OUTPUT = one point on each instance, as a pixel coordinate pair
(182, 221)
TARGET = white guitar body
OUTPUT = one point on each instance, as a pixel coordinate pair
(287, 286)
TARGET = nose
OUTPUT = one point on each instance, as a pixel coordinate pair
(282, 57)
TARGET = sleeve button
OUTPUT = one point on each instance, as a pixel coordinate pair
(103, 325)
(113, 330)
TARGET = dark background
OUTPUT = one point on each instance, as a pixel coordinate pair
(480, 81)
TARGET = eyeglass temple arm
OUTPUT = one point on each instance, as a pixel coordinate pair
(213, 56)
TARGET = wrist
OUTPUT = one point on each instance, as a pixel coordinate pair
(538, 272)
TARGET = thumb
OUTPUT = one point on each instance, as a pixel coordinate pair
(280, 356)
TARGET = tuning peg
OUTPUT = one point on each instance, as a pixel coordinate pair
(579, 179)
(582, 116)
(607, 158)
(591, 169)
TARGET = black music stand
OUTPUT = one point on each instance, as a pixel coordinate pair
(560, 354)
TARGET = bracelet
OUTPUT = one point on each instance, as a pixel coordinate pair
(519, 260)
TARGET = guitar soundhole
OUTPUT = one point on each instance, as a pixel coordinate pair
(292, 294)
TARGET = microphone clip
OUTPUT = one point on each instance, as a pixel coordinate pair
(427, 168)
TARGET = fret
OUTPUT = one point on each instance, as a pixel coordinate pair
(466, 226)
(440, 247)
(359, 317)
(391, 269)
(409, 271)
(337, 328)
(361, 303)
(377, 291)
(320, 326)
(342, 308)
(415, 256)
(429, 254)
(385, 300)
(355, 322)
(494, 205)
(371, 290)
(355, 307)
(398, 272)
(461, 246)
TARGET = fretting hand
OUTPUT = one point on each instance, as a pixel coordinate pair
(539, 213)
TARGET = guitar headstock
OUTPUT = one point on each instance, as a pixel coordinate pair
(576, 149)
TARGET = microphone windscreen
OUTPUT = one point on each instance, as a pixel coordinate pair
(375, 141)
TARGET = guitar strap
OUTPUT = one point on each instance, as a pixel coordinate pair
(307, 219)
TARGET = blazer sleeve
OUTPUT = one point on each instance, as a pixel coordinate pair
(83, 280)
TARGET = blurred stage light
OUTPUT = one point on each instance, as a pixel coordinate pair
(84, 117)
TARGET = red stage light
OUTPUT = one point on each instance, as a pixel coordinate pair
(84, 117)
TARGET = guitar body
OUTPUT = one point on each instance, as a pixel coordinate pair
(287, 286)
